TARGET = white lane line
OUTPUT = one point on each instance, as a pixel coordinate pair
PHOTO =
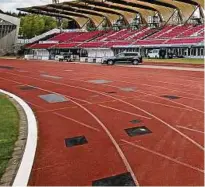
(123, 111)
(120, 152)
(168, 125)
(190, 129)
(171, 106)
(164, 156)
(98, 92)
(138, 91)
(23, 173)
(124, 159)
(81, 123)
(57, 109)
(164, 67)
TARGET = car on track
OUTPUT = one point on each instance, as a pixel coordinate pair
(132, 57)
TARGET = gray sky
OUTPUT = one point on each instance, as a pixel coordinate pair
(11, 5)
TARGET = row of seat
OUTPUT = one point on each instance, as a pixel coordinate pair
(170, 34)
(109, 44)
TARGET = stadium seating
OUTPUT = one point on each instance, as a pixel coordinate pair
(150, 42)
(86, 36)
(41, 45)
(95, 44)
(65, 36)
(162, 31)
(175, 31)
(117, 35)
(185, 40)
(67, 45)
(141, 34)
(170, 34)
(117, 43)
(192, 31)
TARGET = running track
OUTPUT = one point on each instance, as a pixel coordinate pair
(172, 155)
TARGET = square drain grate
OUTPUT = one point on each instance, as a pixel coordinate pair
(135, 121)
(101, 81)
(111, 92)
(124, 179)
(53, 98)
(128, 89)
(171, 97)
(136, 131)
(75, 141)
(27, 87)
(6, 67)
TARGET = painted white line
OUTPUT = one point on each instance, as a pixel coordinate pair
(171, 106)
(101, 93)
(23, 174)
(123, 111)
(71, 119)
(162, 155)
(164, 67)
(190, 129)
(120, 152)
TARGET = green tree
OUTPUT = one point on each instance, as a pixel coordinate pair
(50, 23)
(65, 24)
(33, 25)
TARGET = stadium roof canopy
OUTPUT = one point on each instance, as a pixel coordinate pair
(98, 10)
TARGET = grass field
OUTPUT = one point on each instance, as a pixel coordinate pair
(9, 125)
(178, 60)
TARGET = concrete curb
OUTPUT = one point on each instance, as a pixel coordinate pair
(30, 133)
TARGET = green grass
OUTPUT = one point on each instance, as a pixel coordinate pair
(177, 60)
(9, 128)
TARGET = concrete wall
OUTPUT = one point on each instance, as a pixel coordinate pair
(8, 42)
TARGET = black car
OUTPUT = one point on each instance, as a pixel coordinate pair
(133, 57)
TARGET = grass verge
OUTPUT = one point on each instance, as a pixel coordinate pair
(176, 60)
(9, 129)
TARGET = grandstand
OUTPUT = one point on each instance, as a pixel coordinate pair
(119, 25)
(9, 27)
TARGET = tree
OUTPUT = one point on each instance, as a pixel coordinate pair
(65, 24)
(33, 25)
(50, 23)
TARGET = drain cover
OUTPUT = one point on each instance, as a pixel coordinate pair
(135, 121)
(111, 92)
(124, 179)
(99, 81)
(79, 140)
(27, 87)
(135, 131)
(53, 98)
(171, 97)
(6, 67)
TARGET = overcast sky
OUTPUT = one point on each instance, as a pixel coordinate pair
(11, 5)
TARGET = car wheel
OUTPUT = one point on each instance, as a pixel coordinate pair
(135, 62)
(110, 62)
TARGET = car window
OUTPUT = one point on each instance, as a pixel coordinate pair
(131, 54)
(121, 55)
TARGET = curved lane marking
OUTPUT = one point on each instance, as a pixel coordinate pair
(162, 155)
(106, 95)
(23, 174)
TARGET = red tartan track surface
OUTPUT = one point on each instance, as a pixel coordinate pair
(171, 155)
